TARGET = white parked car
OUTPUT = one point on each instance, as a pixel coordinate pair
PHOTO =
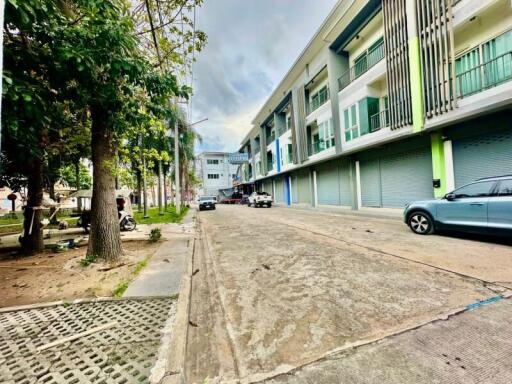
(259, 199)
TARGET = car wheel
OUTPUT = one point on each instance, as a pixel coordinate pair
(269, 205)
(249, 205)
(421, 223)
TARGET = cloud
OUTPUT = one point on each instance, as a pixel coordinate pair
(251, 45)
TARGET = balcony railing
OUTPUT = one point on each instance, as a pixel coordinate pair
(271, 137)
(317, 147)
(373, 56)
(379, 120)
(318, 100)
(484, 76)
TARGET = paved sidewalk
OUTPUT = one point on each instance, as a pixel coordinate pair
(162, 277)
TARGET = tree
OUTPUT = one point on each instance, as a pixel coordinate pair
(69, 176)
(29, 113)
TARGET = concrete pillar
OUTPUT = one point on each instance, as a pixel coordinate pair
(359, 200)
(438, 163)
(448, 166)
(315, 191)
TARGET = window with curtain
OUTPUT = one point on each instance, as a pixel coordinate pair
(497, 58)
(467, 69)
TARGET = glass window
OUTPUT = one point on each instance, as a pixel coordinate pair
(505, 188)
(480, 189)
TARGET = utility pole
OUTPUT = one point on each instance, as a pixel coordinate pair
(177, 167)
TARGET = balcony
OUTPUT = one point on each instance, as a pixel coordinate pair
(484, 76)
(317, 147)
(271, 137)
(318, 100)
(379, 120)
(372, 57)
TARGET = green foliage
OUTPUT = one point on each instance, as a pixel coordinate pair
(120, 289)
(88, 260)
(155, 235)
(169, 216)
(140, 266)
(68, 175)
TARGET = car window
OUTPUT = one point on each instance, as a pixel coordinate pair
(481, 189)
(505, 188)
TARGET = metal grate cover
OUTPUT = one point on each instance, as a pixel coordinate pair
(121, 354)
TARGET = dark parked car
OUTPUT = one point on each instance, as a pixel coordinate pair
(484, 207)
(206, 202)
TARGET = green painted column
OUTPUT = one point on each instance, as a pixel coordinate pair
(438, 162)
(415, 72)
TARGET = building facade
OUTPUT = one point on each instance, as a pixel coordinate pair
(214, 172)
(391, 101)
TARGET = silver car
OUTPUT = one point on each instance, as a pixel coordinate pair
(484, 207)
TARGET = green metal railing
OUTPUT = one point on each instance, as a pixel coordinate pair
(317, 147)
(318, 100)
(484, 76)
(379, 120)
(373, 56)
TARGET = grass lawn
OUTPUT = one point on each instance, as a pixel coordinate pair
(169, 216)
(12, 225)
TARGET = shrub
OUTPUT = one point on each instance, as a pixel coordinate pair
(155, 235)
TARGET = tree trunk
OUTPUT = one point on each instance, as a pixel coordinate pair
(153, 195)
(160, 205)
(77, 186)
(139, 191)
(105, 236)
(165, 190)
(32, 241)
(145, 187)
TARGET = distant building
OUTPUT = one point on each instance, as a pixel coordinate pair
(214, 172)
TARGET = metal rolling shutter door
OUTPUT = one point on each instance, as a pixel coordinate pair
(327, 183)
(345, 187)
(303, 187)
(279, 197)
(370, 183)
(406, 177)
(482, 156)
(267, 186)
(295, 189)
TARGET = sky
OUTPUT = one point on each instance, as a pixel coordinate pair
(251, 46)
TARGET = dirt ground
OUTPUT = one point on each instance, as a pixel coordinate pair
(51, 276)
(294, 286)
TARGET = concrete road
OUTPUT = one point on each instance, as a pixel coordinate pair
(276, 291)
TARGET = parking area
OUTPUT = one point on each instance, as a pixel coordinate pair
(296, 287)
(95, 341)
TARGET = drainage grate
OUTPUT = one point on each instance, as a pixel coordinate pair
(121, 354)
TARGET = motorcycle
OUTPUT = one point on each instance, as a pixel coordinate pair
(126, 221)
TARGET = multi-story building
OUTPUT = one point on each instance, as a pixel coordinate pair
(215, 172)
(391, 101)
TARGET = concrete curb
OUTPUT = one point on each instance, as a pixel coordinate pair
(170, 365)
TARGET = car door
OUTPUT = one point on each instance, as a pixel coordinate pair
(467, 208)
(500, 207)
